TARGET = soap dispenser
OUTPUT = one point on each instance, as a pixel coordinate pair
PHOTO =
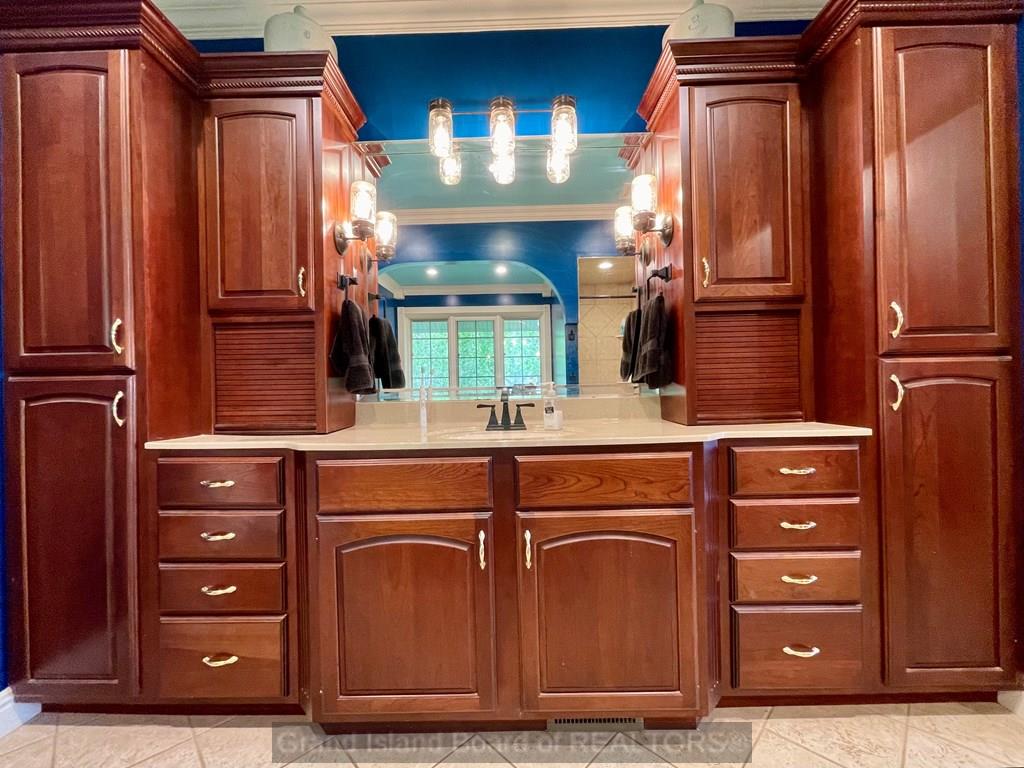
(552, 416)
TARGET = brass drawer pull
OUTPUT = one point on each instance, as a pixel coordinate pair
(798, 526)
(213, 591)
(217, 483)
(302, 282)
(799, 579)
(899, 319)
(529, 549)
(707, 272)
(809, 653)
(483, 561)
(900, 391)
(797, 471)
(220, 660)
(115, 410)
(207, 536)
(114, 328)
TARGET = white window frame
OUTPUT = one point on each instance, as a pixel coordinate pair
(496, 313)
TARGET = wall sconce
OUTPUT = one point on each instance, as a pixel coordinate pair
(367, 222)
(387, 235)
(625, 235)
(644, 196)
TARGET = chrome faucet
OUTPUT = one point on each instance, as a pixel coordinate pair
(506, 424)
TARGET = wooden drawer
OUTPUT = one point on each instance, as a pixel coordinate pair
(832, 577)
(223, 481)
(222, 588)
(604, 480)
(254, 649)
(786, 524)
(221, 535)
(795, 470)
(403, 485)
(829, 639)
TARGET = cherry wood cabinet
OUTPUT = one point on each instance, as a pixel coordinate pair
(70, 497)
(946, 237)
(947, 486)
(259, 198)
(607, 610)
(746, 142)
(406, 612)
(67, 298)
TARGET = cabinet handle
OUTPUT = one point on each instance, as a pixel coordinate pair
(220, 660)
(302, 282)
(799, 579)
(483, 561)
(798, 526)
(809, 653)
(115, 408)
(217, 483)
(797, 471)
(529, 549)
(207, 536)
(900, 391)
(707, 272)
(899, 319)
(213, 591)
(114, 328)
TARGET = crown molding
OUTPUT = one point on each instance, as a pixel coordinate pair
(245, 18)
(539, 289)
(495, 214)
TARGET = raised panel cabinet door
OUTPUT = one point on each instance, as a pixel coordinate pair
(70, 486)
(405, 606)
(748, 192)
(67, 298)
(946, 188)
(259, 198)
(947, 515)
(607, 611)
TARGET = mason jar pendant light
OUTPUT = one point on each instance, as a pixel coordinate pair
(440, 128)
(503, 168)
(451, 168)
(557, 166)
(564, 134)
(363, 208)
(502, 126)
(387, 235)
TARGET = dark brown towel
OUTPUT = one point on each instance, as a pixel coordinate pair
(654, 360)
(387, 363)
(630, 347)
(350, 352)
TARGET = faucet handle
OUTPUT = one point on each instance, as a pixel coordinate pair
(492, 421)
(519, 423)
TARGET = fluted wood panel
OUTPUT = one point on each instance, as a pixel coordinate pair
(748, 366)
(265, 377)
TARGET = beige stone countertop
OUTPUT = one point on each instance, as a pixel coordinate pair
(454, 436)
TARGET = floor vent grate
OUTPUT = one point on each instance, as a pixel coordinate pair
(596, 724)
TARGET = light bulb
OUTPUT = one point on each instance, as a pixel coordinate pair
(605, 265)
(503, 126)
(501, 269)
(558, 166)
(503, 168)
(363, 207)
(644, 196)
(625, 239)
(440, 128)
(387, 235)
(564, 134)
(451, 169)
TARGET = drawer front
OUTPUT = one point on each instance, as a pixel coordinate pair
(247, 658)
(403, 485)
(777, 648)
(795, 470)
(608, 480)
(785, 524)
(222, 588)
(803, 578)
(221, 535)
(245, 481)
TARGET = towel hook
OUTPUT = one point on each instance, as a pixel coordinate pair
(664, 274)
(344, 281)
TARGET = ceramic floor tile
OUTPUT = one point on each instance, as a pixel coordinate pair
(928, 750)
(549, 749)
(855, 737)
(118, 741)
(42, 726)
(773, 751)
(77, 718)
(624, 752)
(476, 752)
(724, 741)
(257, 742)
(330, 754)
(181, 756)
(408, 750)
(201, 723)
(983, 727)
(38, 754)
(898, 711)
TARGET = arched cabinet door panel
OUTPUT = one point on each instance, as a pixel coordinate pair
(947, 519)
(406, 613)
(606, 610)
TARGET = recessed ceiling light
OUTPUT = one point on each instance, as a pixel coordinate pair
(605, 265)
(501, 269)
(431, 272)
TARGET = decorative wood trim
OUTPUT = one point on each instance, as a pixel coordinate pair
(488, 214)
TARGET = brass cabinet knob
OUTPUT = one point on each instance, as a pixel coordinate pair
(226, 536)
(217, 483)
(114, 328)
(798, 526)
(115, 410)
(802, 651)
(483, 562)
(798, 471)
(899, 319)
(213, 591)
(799, 579)
(900, 391)
(529, 549)
(220, 660)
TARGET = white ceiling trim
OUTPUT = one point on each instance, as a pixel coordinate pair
(245, 18)
(476, 290)
(493, 214)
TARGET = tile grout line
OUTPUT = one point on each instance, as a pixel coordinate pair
(602, 749)
(906, 735)
(195, 744)
(447, 755)
(778, 735)
(944, 737)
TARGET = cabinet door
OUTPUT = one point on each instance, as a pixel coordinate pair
(70, 485)
(406, 613)
(947, 469)
(259, 198)
(946, 199)
(748, 192)
(65, 211)
(606, 608)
